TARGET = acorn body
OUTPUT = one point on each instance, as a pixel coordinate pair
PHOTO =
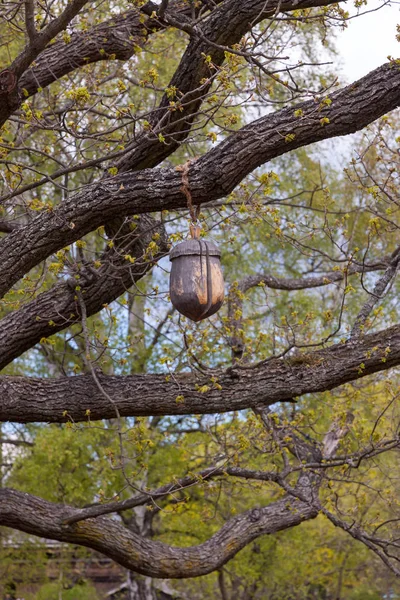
(196, 280)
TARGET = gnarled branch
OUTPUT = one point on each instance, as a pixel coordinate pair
(155, 559)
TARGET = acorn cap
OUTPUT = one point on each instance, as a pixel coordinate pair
(198, 247)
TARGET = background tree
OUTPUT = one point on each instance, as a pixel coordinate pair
(171, 459)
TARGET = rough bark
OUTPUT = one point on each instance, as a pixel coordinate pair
(26, 400)
(116, 38)
(119, 37)
(193, 78)
(58, 308)
(37, 43)
(213, 176)
(155, 559)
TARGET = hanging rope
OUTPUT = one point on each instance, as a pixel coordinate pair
(194, 229)
(194, 211)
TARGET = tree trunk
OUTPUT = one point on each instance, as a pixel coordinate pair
(139, 587)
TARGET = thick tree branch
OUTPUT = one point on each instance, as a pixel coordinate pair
(40, 40)
(45, 519)
(25, 400)
(37, 43)
(58, 308)
(117, 37)
(193, 78)
(213, 176)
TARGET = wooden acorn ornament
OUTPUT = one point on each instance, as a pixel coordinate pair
(196, 280)
(196, 283)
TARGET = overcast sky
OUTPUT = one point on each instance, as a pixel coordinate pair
(369, 39)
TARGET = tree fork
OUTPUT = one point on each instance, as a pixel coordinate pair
(212, 177)
(45, 519)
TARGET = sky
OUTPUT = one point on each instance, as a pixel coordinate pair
(363, 46)
(368, 39)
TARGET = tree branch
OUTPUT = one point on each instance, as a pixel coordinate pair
(166, 490)
(56, 309)
(379, 546)
(193, 78)
(235, 298)
(117, 37)
(377, 294)
(155, 559)
(30, 20)
(211, 177)
(25, 400)
(40, 40)
(37, 43)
